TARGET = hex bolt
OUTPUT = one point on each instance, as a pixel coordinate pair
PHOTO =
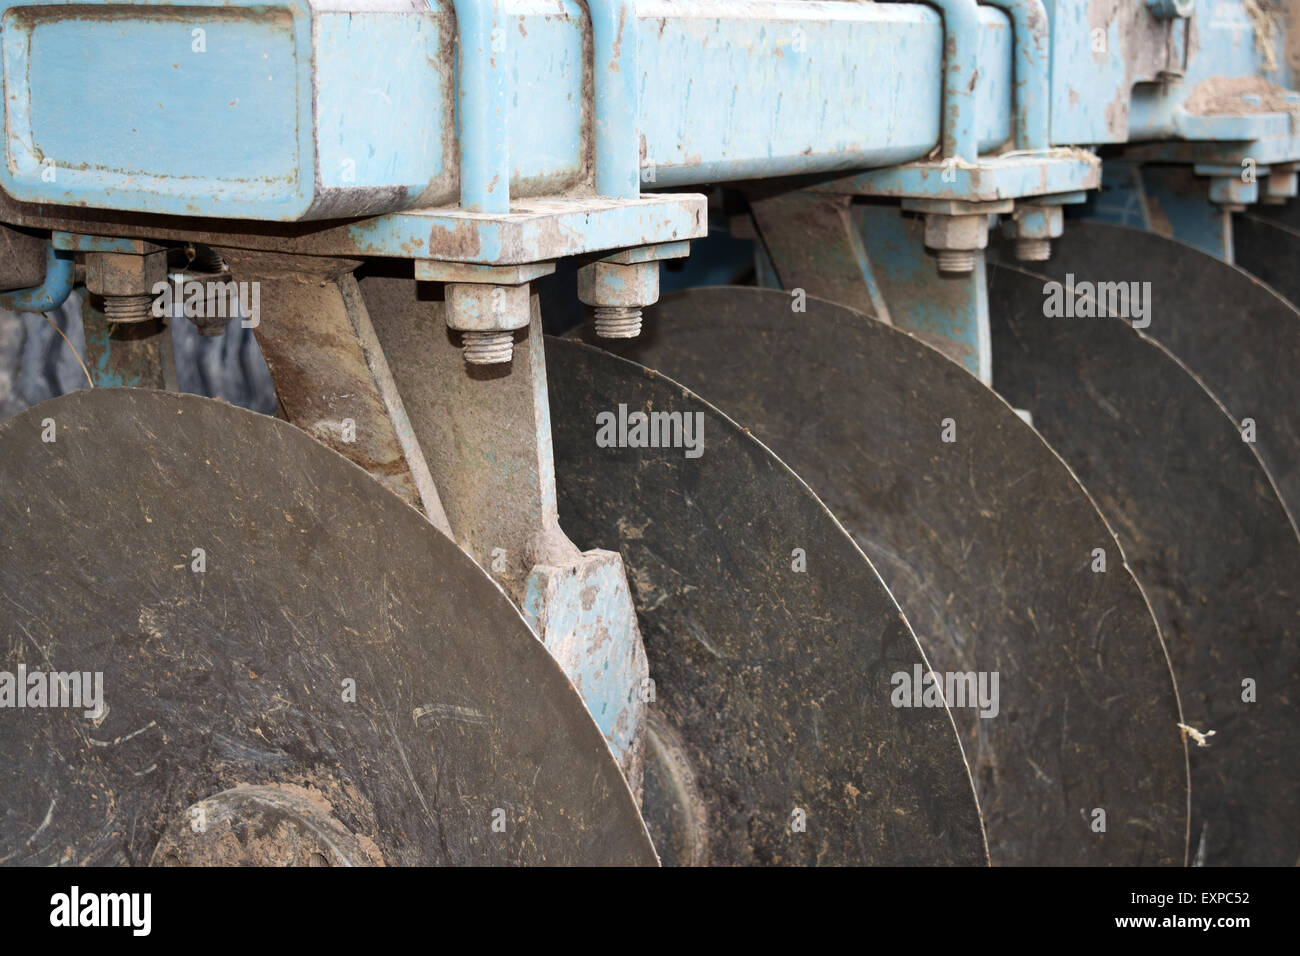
(1280, 185)
(488, 348)
(1029, 249)
(616, 321)
(1034, 226)
(126, 280)
(128, 308)
(487, 315)
(956, 260)
(1230, 194)
(207, 259)
(956, 238)
(616, 293)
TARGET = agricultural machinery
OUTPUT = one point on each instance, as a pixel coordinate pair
(697, 432)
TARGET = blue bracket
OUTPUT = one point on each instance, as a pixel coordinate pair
(1169, 200)
(60, 277)
(1032, 82)
(481, 107)
(947, 312)
(960, 71)
(618, 151)
(1014, 176)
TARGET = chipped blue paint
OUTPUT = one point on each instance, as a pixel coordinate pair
(991, 178)
(614, 99)
(533, 232)
(1032, 44)
(587, 621)
(960, 71)
(306, 111)
(481, 41)
(947, 312)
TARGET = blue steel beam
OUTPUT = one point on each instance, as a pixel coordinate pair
(310, 111)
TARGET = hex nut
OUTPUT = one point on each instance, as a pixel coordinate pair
(1039, 221)
(957, 233)
(124, 273)
(1232, 193)
(478, 307)
(611, 284)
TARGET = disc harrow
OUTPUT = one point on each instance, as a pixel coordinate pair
(942, 511)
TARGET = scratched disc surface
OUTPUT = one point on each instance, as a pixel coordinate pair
(986, 542)
(1232, 331)
(339, 666)
(1266, 243)
(1207, 536)
(772, 643)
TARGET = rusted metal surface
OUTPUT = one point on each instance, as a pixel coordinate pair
(131, 355)
(535, 230)
(1205, 534)
(1234, 333)
(773, 739)
(815, 246)
(487, 433)
(946, 310)
(987, 543)
(333, 642)
(485, 430)
(324, 373)
(125, 281)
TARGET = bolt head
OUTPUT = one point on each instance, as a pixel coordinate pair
(488, 348)
(124, 273)
(957, 233)
(612, 284)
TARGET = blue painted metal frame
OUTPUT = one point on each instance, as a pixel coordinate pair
(960, 73)
(481, 107)
(62, 57)
(947, 312)
(1032, 81)
(60, 277)
(614, 45)
(375, 105)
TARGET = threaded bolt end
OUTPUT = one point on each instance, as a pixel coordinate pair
(488, 348)
(128, 308)
(617, 321)
(956, 260)
(206, 259)
(1033, 250)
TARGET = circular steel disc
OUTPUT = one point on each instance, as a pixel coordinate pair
(335, 646)
(986, 542)
(1268, 247)
(1206, 535)
(1236, 334)
(772, 644)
